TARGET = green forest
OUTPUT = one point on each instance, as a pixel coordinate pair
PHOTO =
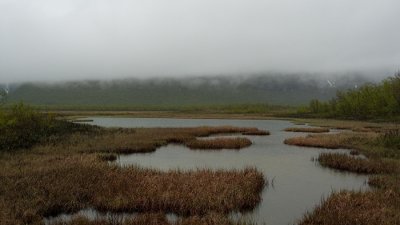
(170, 93)
(370, 101)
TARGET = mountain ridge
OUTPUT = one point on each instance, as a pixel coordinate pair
(275, 89)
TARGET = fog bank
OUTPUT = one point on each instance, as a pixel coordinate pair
(50, 40)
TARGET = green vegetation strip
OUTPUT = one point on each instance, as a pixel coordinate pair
(371, 101)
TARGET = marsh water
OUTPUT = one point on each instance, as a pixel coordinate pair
(296, 183)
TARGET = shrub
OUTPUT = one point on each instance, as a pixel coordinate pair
(22, 127)
(390, 139)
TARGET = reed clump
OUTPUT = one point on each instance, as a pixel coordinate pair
(256, 132)
(390, 138)
(35, 185)
(219, 143)
(64, 168)
(352, 125)
(154, 219)
(142, 140)
(141, 219)
(354, 152)
(351, 207)
(376, 206)
(212, 218)
(385, 181)
(346, 140)
(345, 162)
(308, 129)
(315, 141)
(107, 157)
(371, 144)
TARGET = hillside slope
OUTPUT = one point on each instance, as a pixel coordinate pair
(271, 89)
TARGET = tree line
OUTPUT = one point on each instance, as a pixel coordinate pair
(370, 101)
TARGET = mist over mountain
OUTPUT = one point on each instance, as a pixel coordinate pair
(275, 89)
(85, 39)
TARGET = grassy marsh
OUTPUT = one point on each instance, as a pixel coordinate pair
(360, 208)
(256, 132)
(141, 140)
(353, 125)
(155, 219)
(378, 206)
(307, 129)
(219, 143)
(70, 175)
(323, 140)
(367, 143)
(345, 162)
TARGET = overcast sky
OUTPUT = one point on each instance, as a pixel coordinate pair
(86, 39)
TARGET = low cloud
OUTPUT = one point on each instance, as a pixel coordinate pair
(100, 39)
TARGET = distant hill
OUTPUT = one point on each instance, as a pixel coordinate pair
(267, 89)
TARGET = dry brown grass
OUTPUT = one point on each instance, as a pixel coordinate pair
(72, 175)
(124, 141)
(354, 152)
(347, 140)
(256, 132)
(219, 143)
(307, 129)
(211, 219)
(167, 114)
(141, 219)
(346, 124)
(357, 208)
(378, 206)
(107, 156)
(68, 184)
(385, 181)
(345, 162)
(154, 219)
(367, 143)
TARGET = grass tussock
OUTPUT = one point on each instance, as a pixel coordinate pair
(307, 129)
(377, 206)
(351, 125)
(360, 208)
(212, 218)
(107, 156)
(390, 138)
(36, 185)
(154, 219)
(142, 140)
(345, 162)
(346, 140)
(385, 181)
(67, 171)
(330, 141)
(141, 219)
(219, 143)
(354, 152)
(256, 132)
(369, 144)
